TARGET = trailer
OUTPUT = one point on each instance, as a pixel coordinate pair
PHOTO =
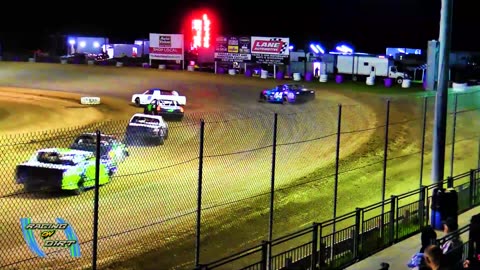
(361, 66)
(124, 50)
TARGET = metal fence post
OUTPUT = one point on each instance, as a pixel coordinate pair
(264, 262)
(358, 233)
(471, 193)
(321, 250)
(450, 182)
(314, 257)
(272, 189)
(422, 206)
(337, 165)
(199, 192)
(393, 222)
(424, 132)
(478, 165)
(385, 159)
(96, 200)
(452, 156)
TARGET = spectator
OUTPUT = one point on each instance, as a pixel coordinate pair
(473, 262)
(435, 259)
(452, 248)
(428, 237)
(384, 266)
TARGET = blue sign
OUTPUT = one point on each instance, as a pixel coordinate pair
(47, 231)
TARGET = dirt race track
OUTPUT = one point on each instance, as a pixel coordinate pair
(148, 209)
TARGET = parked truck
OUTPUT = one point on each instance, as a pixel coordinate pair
(361, 66)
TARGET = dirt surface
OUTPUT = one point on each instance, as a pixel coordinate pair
(147, 212)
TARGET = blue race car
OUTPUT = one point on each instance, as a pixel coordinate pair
(287, 93)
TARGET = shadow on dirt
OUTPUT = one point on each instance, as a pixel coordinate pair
(42, 194)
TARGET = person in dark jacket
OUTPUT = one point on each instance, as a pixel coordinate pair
(473, 262)
(453, 247)
(428, 237)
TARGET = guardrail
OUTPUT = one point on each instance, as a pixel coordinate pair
(363, 232)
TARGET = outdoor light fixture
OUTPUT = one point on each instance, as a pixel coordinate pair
(344, 49)
(317, 48)
(96, 44)
(320, 49)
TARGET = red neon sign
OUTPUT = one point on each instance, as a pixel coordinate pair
(201, 32)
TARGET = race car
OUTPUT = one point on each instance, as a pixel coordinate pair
(61, 169)
(111, 149)
(157, 93)
(287, 93)
(145, 127)
(169, 109)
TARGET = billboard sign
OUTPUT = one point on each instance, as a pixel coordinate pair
(270, 50)
(232, 49)
(166, 47)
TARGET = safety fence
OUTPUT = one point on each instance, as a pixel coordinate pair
(364, 232)
(215, 183)
(468, 236)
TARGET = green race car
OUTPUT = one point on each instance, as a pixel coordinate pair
(61, 169)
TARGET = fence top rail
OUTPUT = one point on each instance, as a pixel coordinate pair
(436, 185)
(293, 235)
(454, 234)
(338, 219)
(410, 193)
(460, 176)
(376, 205)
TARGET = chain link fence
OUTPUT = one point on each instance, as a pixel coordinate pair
(208, 191)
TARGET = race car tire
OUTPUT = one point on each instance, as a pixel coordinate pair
(284, 100)
(166, 134)
(161, 141)
(262, 98)
(80, 189)
(137, 101)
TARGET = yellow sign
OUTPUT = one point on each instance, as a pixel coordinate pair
(233, 49)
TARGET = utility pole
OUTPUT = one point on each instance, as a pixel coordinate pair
(441, 102)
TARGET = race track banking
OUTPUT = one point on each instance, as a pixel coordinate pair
(150, 203)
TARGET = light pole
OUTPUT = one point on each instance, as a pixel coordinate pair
(441, 102)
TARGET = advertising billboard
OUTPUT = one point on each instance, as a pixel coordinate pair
(232, 49)
(166, 47)
(270, 50)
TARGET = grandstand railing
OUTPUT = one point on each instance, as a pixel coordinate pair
(359, 234)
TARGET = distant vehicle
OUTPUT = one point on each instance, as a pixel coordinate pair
(287, 93)
(111, 149)
(158, 94)
(144, 127)
(166, 108)
(60, 169)
(362, 66)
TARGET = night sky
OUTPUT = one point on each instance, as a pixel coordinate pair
(370, 25)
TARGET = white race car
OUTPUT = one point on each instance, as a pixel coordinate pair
(158, 94)
(143, 127)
